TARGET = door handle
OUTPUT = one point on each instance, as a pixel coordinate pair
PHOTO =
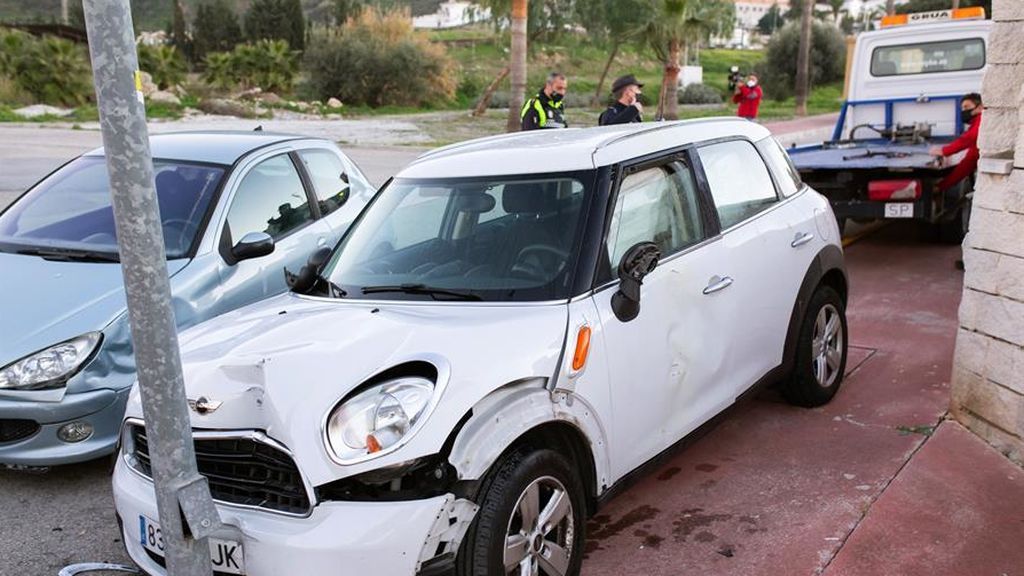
(801, 239)
(718, 283)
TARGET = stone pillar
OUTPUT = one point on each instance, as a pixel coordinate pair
(988, 370)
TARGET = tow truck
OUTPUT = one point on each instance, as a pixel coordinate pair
(907, 82)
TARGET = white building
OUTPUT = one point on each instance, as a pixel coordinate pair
(452, 14)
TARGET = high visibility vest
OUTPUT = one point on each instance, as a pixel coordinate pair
(542, 115)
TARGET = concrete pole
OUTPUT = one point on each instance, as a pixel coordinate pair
(187, 514)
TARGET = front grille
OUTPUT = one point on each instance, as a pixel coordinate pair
(241, 471)
(12, 430)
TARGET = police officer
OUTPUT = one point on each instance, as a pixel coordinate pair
(547, 108)
(627, 107)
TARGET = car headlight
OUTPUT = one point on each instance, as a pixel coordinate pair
(377, 418)
(49, 368)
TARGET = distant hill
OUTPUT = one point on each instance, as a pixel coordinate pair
(156, 14)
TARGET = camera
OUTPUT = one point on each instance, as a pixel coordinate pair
(735, 78)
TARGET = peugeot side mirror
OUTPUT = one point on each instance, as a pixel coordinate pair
(253, 245)
(636, 263)
(308, 274)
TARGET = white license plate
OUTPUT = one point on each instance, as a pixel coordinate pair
(226, 555)
(899, 210)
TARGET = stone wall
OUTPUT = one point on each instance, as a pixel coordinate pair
(988, 371)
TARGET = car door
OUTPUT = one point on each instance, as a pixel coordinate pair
(340, 189)
(761, 265)
(666, 367)
(271, 198)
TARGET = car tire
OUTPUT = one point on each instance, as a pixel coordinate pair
(503, 499)
(819, 365)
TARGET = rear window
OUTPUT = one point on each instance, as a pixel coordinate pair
(928, 57)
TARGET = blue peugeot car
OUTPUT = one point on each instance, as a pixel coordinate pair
(236, 209)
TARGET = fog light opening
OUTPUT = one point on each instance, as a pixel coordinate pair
(75, 431)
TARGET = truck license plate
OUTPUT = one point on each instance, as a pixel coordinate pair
(226, 555)
(899, 210)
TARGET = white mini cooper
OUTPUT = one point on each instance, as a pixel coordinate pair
(510, 328)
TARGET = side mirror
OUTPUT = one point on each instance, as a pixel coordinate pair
(253, 245)
(344, 178)
(636, 263)
(308, 274)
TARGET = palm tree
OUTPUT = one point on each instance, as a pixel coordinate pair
(676, 25)
(837, 8)
(803, 58)
(517, 63)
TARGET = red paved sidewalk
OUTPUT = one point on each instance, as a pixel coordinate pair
(777, 490)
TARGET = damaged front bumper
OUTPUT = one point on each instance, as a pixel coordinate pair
(401, 538)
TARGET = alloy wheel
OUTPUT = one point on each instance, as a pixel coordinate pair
(540, 533)
(827, 346)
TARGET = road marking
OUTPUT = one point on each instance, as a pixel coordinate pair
(864, 233)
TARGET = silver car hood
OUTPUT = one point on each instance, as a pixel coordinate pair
(281, 365)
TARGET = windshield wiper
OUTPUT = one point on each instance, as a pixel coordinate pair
(71, 255)
(422, 289)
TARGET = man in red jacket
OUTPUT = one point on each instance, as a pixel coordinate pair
(748, 96)
(970, 114)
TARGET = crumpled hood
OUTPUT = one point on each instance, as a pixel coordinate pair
(44, 302)
(281, 365)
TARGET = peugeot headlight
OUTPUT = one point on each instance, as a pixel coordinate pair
(377, 418)
(49, 368)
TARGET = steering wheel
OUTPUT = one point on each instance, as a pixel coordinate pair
(185, 226)
(536, 262)
(375, 267)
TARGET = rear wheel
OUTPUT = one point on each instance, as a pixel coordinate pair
(531, 519)
(820, 351)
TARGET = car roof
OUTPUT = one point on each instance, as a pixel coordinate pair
(215, 147)
(572, 149)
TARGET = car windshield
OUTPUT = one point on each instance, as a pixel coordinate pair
(69, 214)
(498, 239)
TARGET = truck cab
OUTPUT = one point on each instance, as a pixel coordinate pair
(906, 84)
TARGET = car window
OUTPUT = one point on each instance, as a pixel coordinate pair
(270, 199)
(325, 169)
(781, 165)
(928, 57)
(739, 180)
(655, 205)
(71, 209)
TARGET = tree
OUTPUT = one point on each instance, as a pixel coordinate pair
(771, 21)
(214, 29)
(803, 60)
(517, 63)
(615, 22)
(276, 20)
(346, 9)
(837, 8)
(179, 29)
(777, 70)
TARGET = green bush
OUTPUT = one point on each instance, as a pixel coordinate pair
(276, 20)
(699, 94)
(378, 60)
(52, 70)
(267, 64)
(214, 29)
(164, 63)
(777, 72)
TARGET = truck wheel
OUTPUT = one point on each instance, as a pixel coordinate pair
(952, 231)
(820, 351)
(531, 518)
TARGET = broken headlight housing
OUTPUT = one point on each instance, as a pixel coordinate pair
(52, 367)
(376, 420)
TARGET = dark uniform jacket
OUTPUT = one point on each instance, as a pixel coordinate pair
(619, 113)
(542, 112)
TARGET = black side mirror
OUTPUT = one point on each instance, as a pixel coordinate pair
(253, 245)
(308, 274)
(344, 178)
(636, 263)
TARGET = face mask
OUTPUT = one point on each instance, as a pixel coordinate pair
(556, 97)
(966, 116)
(751, 83)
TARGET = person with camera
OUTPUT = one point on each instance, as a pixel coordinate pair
(734, 78)
(748, 96)
(627, 107)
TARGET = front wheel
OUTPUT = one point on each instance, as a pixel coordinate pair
(531, 519)
(820, 351)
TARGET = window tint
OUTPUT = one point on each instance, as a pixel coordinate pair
(270, 199)
(739, 180)
(925, 58)
(782, 166)
(655, 205)
(325, 169)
